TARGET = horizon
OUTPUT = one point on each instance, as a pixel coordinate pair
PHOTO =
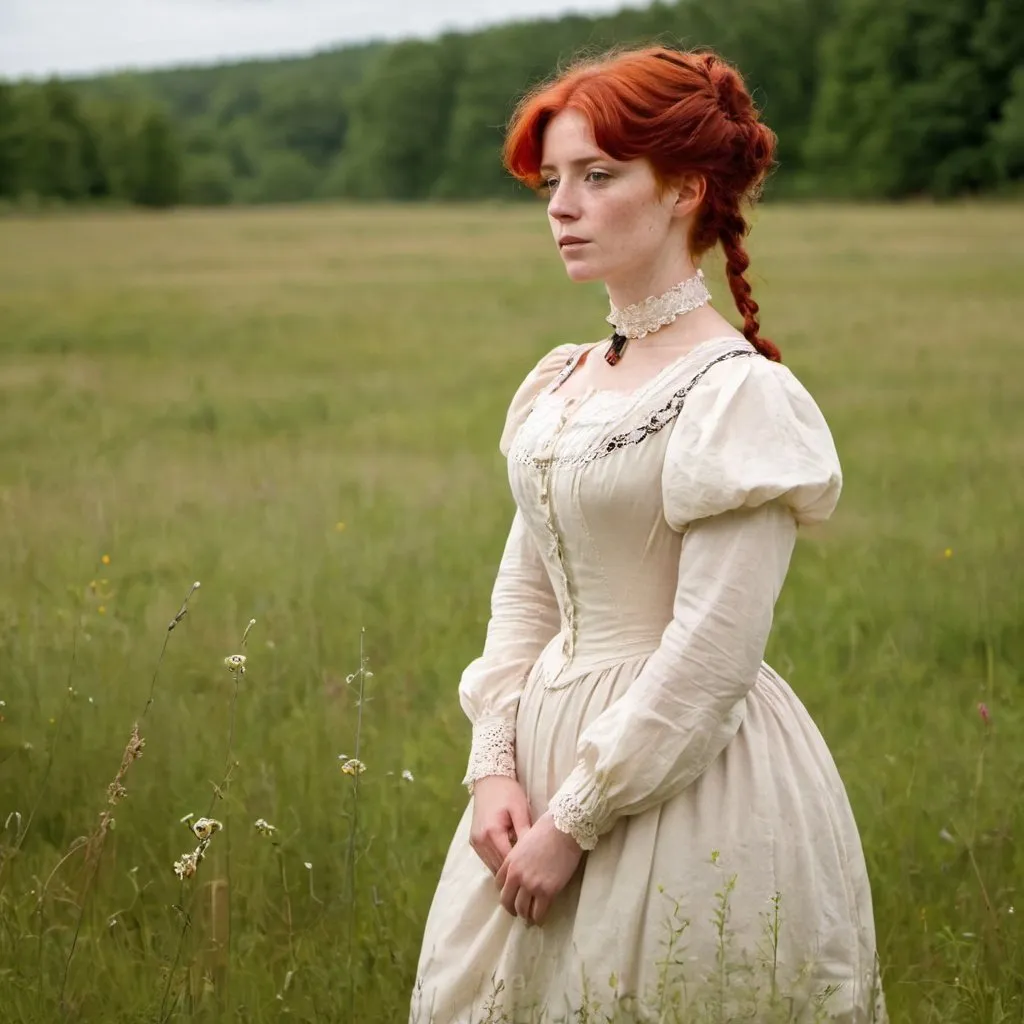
(116, 36)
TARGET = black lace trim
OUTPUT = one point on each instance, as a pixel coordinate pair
(668, 412)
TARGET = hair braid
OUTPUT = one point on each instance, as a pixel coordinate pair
(731, 230)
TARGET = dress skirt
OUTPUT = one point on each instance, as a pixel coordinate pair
(734, 900)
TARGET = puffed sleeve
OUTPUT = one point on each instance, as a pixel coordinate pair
(749, 458)
(524, 616)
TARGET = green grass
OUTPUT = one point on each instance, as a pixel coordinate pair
(207, 396)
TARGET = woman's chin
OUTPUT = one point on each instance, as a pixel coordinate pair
(579, 270)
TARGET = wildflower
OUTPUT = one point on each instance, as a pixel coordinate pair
(188, 864)
(353, 766)
(408, 776)
(235, 663)
(948, 553)
(135, 744)
(204, 828)
(102, 610)
(105, 559)
(264, 827)
(984, 713)
(308, 865)
(339, 527)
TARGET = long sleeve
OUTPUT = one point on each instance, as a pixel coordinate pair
(524, 616)
(749, 458)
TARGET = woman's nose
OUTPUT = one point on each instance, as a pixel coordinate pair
(563, 205)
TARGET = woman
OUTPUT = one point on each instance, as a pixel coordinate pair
(657, 830)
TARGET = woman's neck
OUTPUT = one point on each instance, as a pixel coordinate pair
(648, 282)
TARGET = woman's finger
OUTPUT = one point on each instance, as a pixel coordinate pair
(522, 904)
(501, 874)
(509, 894)
(500, 846)
(539, 909)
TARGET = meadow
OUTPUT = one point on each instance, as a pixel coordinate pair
(299, 408)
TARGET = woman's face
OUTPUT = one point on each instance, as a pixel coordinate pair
(610, 218)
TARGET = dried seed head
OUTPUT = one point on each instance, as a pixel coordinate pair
(204, 828)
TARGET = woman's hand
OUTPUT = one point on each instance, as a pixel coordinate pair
(536, 870)
(501, 817)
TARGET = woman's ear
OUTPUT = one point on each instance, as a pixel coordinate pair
(689, 192)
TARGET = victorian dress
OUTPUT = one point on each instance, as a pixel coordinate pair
(622, 683)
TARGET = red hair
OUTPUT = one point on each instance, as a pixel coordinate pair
(684, 113)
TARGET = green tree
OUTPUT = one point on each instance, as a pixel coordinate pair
(284, 176)
(160, 179)
(1008, 132)
(10, 149)
(399, 121)
(208, 180)
(908, 95)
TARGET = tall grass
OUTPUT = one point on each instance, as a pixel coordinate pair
(300, 408)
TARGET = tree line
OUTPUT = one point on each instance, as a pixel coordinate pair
(870, 99)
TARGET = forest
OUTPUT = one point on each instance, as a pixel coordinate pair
(871, 99)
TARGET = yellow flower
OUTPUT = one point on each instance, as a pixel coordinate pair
(339, 526)
(949, 552)
(105, 559)
(102, 610)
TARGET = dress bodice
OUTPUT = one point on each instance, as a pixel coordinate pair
(586, 471)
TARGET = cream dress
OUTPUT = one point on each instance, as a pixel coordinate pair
(622, 683)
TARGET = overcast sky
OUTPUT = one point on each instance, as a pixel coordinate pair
(41, 37)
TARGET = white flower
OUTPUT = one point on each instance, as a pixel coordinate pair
(408, 776)
(264, 827)
(308, 865)
(235, 663)
(353, 766)
(186, 867)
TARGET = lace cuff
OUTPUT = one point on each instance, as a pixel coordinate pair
(494, 750)
(575, 808)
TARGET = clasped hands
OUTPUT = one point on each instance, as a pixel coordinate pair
(530, 869)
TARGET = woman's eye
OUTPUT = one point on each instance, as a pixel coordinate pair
(598, 177)
(550, 184)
